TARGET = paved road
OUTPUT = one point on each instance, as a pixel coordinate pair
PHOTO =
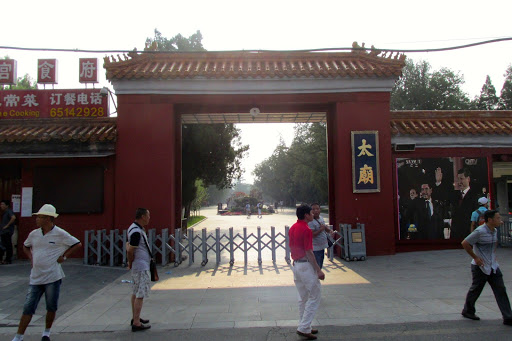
(279, 220)
(80, 283)
(439, 331)
(408, 296)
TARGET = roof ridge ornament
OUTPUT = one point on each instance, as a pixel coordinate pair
(375, 52)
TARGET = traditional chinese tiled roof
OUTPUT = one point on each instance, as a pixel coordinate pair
(261, 65)
(444, 122)
(58, 130)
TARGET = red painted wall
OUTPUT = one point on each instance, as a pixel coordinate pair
(364, 111)
(75, 224)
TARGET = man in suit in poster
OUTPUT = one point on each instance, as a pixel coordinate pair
(462, 201)
(428, 215)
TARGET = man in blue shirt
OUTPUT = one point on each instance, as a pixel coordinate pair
(481, 246)
(477, 215)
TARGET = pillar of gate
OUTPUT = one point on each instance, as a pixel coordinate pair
(148, 160)
(359, 112)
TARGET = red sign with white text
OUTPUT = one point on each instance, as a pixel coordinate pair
(47, 71)
(78, 103)
(8, 71)
(88, 70)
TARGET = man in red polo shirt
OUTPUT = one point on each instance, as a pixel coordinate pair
(306, 272)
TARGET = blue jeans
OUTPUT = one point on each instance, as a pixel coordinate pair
(51, 293)
(319, 256)
(498, 288)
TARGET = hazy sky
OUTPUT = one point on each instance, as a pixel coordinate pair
(263, 24)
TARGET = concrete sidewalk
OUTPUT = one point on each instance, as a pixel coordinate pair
(407, 287)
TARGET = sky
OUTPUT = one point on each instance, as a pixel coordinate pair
(263, 24)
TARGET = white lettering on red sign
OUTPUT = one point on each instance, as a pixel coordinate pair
(88, 70)
(45, 70)
(70, 99)
(5, 70)
(82, 99)
(30, 101)
(96, 98)
(8, 71)
(55, 99)
(11, 100)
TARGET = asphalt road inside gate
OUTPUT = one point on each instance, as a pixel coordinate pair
(278, 220)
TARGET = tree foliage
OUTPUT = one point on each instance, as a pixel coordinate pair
(176, 43)
(298, 173)
(201, 196)
(487, 99)
(506, 90)
(420, 88)
(211, 153)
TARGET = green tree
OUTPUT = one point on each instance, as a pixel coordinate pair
(176, 43)
(211, 153)
(506, 90)
(487, 99)
(298, 173)
(201, 196)
(420, 88)
(273, 174)
(22, 83)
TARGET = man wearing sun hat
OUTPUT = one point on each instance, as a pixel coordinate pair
(46, 247)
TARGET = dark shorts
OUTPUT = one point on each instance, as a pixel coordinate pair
(51, 293)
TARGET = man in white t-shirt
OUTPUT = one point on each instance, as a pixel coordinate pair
(320, 230)
(46, 247)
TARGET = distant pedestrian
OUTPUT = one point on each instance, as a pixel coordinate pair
(46, 247)
(248, 210)
(6, 231)
(281, 205)
(320, 231)
(306, 272)
(138, 255)
(260, 205)
(481, 246)
(477, 217)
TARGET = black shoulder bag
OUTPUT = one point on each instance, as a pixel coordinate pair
(330, 243)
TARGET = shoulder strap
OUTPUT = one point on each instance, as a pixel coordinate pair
(143, 237)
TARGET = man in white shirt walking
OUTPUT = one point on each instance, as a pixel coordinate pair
(47, 247)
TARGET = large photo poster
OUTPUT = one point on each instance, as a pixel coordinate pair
(437, 196)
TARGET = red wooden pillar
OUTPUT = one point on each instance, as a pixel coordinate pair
(363, 111)
(148, 161)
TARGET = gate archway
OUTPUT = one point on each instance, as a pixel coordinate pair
(158, 91)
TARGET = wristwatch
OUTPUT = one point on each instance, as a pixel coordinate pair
(64, 257)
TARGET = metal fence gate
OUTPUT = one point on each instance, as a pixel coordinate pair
(224, 246)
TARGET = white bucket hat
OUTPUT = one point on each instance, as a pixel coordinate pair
(48, 210)
(483, 201)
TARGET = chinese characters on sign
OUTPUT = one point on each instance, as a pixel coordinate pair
(52, 104)
(8, 71)
(365, 161)
(88, 70)
(47, 71)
